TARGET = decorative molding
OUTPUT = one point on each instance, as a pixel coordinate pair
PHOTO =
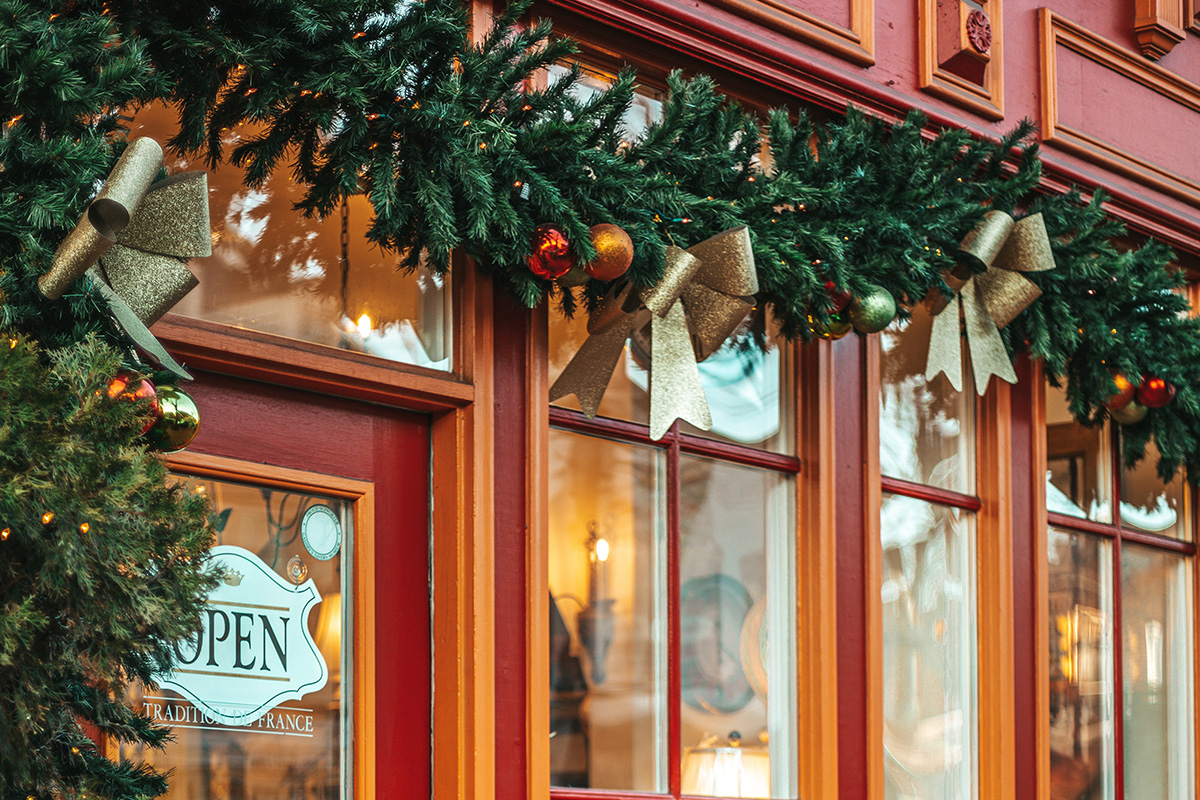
(1058, 32)
(1159, 25)
(962, 53)
(855, 43)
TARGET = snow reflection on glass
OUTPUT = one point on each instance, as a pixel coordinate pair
(1078, 463)
(1148, 505)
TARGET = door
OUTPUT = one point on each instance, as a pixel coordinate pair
(311, 676)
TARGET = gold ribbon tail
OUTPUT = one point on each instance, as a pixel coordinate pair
(138, 333)
(591, 368)
(945, 347)
(988, 355)
(675, 389)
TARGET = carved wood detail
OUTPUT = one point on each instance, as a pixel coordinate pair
(961, 48)
(1160, 24)
(1056, 32)
(855, 44)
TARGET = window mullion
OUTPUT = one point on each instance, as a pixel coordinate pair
(674, 679)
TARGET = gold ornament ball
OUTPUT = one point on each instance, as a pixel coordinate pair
(835, 328)
(872, 311)
(614, 252)
(1131, 413)
(178, 421)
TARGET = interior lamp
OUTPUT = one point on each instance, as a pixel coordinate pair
(329, 639)
(596, 619)
(727, 771)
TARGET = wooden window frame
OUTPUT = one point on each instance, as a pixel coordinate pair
(993, 506)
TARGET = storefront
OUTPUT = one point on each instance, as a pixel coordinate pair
(859, 583)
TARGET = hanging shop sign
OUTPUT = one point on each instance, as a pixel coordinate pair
(255, 650)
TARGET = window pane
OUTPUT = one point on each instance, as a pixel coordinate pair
(607, 615)
(925, 427)
(1078, 463)
(929, 651)
(275, 271)
(737, 624)
(1148, 505)
(1156, 673)
(1081, 678)
(231, 740)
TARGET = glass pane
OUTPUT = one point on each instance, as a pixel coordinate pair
(1081, 676)
(607, 615)
(1156, 674)
(1148, 505)
(275, 271)
(273, 630)
(925, 427)
(737, 630)
(929, 651)
(1078, 463)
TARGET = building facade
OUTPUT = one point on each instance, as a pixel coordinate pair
(859, 584)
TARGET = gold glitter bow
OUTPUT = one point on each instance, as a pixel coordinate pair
(990, 299)
(132, 242)
(705, 293)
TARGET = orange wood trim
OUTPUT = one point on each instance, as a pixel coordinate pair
(537, 568)
(362, 494)
(873, 502)
(1191, 22)
(1159, 26)
(816, 575)
(994, 568)
(275, 359)
(855, 44)
(1041, 602)
(987, 100)
(462, 581)
(1056, 31)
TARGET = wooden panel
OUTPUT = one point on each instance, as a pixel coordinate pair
(1159, 25)
(845, 28)
(955, 63)
(1085, 75)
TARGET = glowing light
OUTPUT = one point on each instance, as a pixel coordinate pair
(84, 527)
(364, 326)
(602, 549)
(47, 517)
(4, 534)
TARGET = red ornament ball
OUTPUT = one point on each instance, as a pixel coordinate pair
(614, 252)
(129, 387)
(1126, 389)
(1154, 392)
(550, 252)
(839, 298)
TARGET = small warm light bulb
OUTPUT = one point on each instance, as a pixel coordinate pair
(47, 517)
(602, 549)
(84, 527)
(4, 534)
(364, 325)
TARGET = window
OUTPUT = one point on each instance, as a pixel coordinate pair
(929, 538)
(672, 576)
(1120, 554)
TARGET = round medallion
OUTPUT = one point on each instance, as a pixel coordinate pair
(321, 531)
(979, 31)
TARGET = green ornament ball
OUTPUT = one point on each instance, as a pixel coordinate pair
(873, 311)
(1130, 413)
(837, 326)
(178, 421)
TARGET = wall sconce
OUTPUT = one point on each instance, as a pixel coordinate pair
(727, 771)
(596, 619)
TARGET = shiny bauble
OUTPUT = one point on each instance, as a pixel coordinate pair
(614, 252)
(1126, 389)
(1154, 392)
(836, 326)
(838, 298)
(1131, 413)
(178, 421)
(873, 311)
(129, 387)
(550, 253)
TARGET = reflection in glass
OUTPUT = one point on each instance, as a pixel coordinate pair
(737, 578)
(299, 747)
(929, 651)
(1078, 463)
(275, 271)
(1148, 505)
(1156, 674)
(1081, 677)
(607, 615)
(925, 427)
